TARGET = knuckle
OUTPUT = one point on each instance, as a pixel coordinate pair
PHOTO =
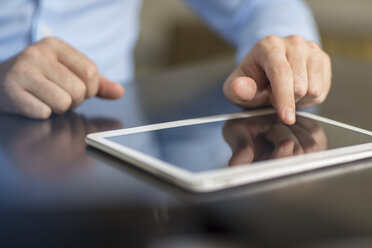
(33, 52)
(281, 69)
(314, 92)
(319, 100)
(63, 105)
(296, 41)
(78, 93)
(43, 113)
(313, 45)
(90, 72)
(17, 103)
(328, 59)
(271, 39)
(269, 43)
(91, 79)
(300, 90)
(50, 41)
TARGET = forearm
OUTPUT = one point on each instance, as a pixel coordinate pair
(244, 23)
(275, 17)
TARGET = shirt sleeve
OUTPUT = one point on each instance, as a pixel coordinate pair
(244, 22)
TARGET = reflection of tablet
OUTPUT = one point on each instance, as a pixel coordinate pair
(218, 152)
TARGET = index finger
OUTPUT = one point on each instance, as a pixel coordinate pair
(279, 73)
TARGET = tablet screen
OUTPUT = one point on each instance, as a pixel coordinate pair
(239, 142)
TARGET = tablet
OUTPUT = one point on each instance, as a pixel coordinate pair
(217, 152)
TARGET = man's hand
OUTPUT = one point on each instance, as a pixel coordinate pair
(282, 72)
(51, 76)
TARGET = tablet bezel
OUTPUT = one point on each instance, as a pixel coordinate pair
(228, 177)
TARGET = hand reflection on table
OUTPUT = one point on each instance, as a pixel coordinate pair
(265, 137)
(50, 147)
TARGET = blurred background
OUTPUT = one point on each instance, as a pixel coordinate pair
(178, 38)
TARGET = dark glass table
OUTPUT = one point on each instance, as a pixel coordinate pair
(56, 191)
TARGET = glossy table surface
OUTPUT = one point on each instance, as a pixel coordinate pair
(56, 191)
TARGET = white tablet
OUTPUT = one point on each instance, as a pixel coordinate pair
(217, 152)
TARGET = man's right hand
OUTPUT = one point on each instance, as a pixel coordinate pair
(51, 76)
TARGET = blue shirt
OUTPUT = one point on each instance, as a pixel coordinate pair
(107, 30)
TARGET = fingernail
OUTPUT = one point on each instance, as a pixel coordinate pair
(289, 115)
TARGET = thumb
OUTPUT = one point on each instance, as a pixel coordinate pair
(239, 88)
(108, 89)
(247, 90)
